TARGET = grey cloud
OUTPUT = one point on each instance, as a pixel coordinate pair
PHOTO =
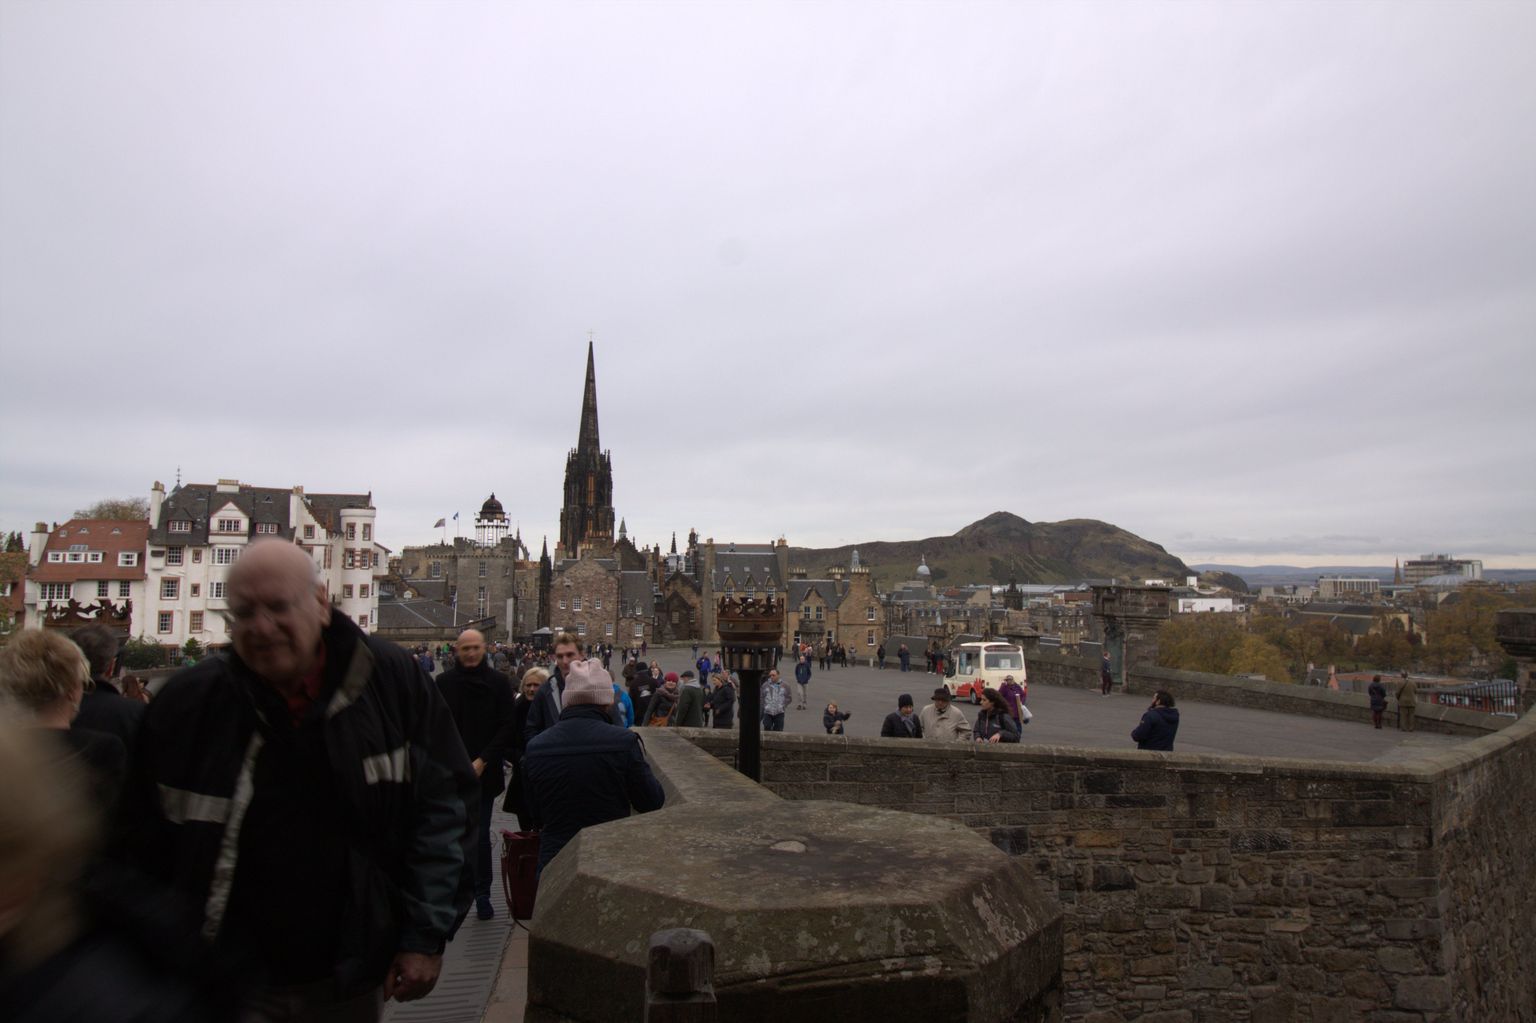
(855, 273)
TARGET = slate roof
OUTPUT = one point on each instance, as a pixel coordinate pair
(422, 614)
(828, 589)
(760, 565)
(197, 502)
(635, 588)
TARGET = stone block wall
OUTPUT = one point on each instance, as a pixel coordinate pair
(1050, 668)
(1485, 841)
(1222, 888)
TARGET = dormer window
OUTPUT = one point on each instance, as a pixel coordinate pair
(229, 526)
(181, 525)
(128, 559)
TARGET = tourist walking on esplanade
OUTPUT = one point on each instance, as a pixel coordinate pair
(1106, 674)
(902, 723)
(1378, 694)
(775, 699)
(723, 702)
(802, 679)
(994, 723)
(1407, 703)
(832, 719)
(1158, 725)
(904, 655)
(941, 720)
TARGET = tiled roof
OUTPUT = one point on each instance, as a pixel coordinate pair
(109, 537)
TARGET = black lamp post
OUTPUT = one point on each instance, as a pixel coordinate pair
(750, 635)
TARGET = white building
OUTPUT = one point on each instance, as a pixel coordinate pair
(1341, 587)
(87, 570)
(1193, 605)
(198, 531)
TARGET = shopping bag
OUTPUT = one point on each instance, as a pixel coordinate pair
(520, 871)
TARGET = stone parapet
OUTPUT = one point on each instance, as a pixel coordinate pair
(1237, 888)
(819, 911)
(1050, 668)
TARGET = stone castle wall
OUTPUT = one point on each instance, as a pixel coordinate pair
(1485, 842)
(1051, 668)
(1203, 887)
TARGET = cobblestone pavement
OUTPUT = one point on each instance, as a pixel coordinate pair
(1076, 717)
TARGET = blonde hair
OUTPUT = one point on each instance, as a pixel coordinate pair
(539, 675)
(39, 667)
(565, 639)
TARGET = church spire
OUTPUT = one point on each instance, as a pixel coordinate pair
(587, 442)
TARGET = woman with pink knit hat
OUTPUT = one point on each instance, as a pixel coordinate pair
(585, 770)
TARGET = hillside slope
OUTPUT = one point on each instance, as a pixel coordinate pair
(1002, 547)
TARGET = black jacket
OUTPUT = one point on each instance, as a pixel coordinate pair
(480, 700)
(723, 706)
(1158, 727)
(895, 726)
(585, 770)
(403, 796)
(104, 709)
(992, 723)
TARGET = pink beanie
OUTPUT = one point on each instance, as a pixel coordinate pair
(587, 682)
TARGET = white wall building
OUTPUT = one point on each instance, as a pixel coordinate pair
(198, 531)
(1340, 587)
(1192, 605)
(96, 563)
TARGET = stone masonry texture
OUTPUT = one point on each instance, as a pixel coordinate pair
(1230, 888)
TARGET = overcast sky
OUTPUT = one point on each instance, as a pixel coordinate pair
(1254, 281)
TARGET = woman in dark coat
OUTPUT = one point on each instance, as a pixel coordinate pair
(723, 702)
(663, 703)
(515, 802)
(1378, 694)
(994, 723)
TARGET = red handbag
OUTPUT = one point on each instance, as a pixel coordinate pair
(520, 871)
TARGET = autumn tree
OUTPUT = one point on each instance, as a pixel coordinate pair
(1254, 655)
(1199, 642)
(116, 508)
(1460, 634)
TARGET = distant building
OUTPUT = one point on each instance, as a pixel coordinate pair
(1195, 605)
(87, 571)
(479, 578)
(198, 531)
(1339, 587)
(1429, 565)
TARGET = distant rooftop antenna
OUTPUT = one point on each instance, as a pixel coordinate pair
(178, 476)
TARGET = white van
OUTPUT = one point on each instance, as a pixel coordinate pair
(971, 667)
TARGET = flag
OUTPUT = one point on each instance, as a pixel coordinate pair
(455, 516)
(439, 524)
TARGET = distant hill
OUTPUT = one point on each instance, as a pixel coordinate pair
(1002, 547)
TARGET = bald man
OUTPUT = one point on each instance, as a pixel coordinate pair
(308, 793)
(480, 698)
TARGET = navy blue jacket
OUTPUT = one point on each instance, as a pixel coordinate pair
(803, 671)
(1158, 727)
(585, 770)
